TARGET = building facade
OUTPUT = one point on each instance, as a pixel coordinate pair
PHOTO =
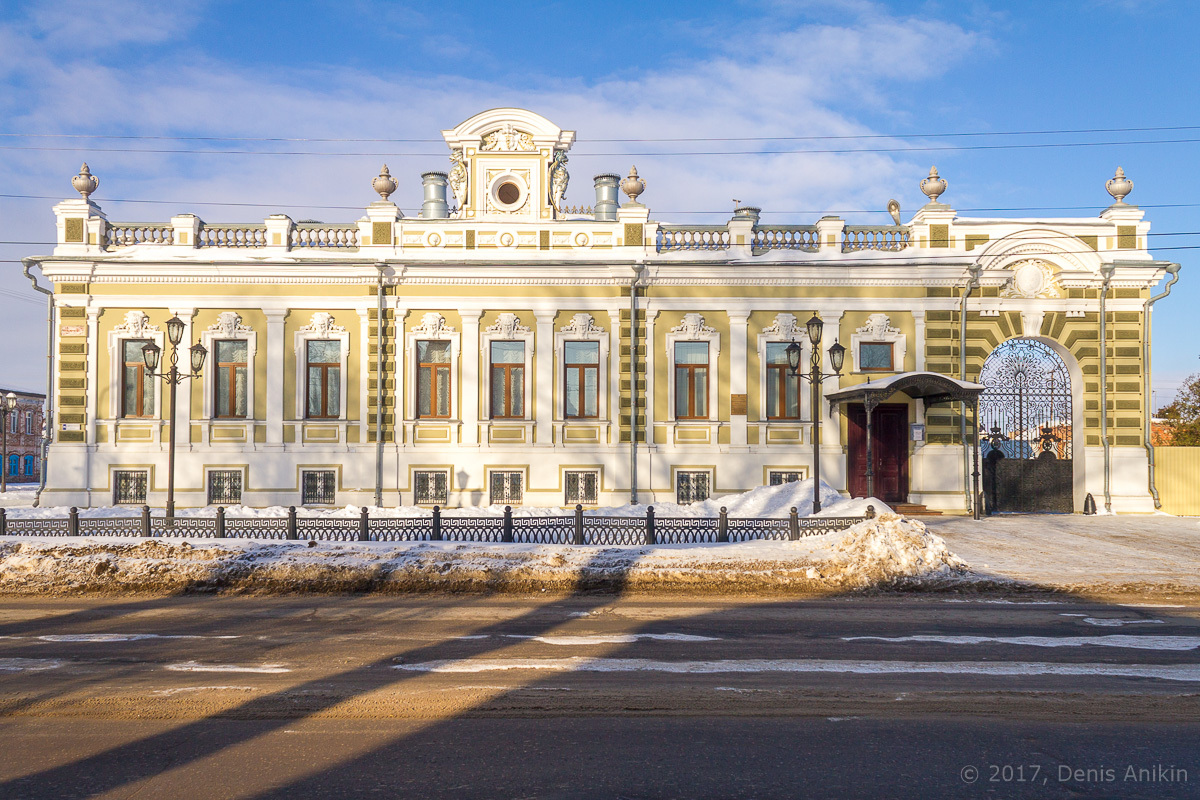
(532, 353)
(22, 456)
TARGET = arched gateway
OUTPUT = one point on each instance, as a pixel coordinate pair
(1026, 428)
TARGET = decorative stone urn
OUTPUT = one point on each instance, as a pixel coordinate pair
(384, 183)
(1118, 186)
(85, 182)
(934, 186)
(633, 185)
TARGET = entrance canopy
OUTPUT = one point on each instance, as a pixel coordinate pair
(932, 387)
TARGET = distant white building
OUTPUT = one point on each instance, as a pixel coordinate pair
(506, 368)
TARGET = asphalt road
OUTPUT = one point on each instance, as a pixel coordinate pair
(595, 696)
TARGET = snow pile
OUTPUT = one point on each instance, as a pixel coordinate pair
(765, 501)
(893, 548)
(889, 551)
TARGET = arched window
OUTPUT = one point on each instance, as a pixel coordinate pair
(12, 465)
(28, 465)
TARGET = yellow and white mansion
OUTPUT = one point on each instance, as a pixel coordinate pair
(524, 344)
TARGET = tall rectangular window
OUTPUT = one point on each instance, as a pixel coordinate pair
(137, 384)
(13, 462)
(691, 380)
(508, 380)
(433, 379)
(581, 371)
(28, 465)
(783, 388)
(29, 418)
(324, 364)
(230, 364)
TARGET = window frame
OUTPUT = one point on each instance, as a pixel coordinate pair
(29, 462)
(693, 329)
(677, 476)
(14, 465)
(325, 367)
(322, 327)
(433, 367)
(115, 478)
(208, 485)
(801, 476)
(581, 369)
(144, 377)
(135, 325)
(330, 474)
(693, 385)
(891, 346)
(431, 327)
(781, 394)
(568, 474)
(507, 328)
(878, 329)
(583, 328)
(233, 329)
(232, 368)
(414, 478)
(522, 478)
(507, 371)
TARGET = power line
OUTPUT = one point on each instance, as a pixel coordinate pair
(657, 211)
(657, 154)
(826, 137)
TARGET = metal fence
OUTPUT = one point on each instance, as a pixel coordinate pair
(578, 528)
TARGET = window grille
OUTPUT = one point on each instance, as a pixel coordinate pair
(582, 488)
(319, 487)
(224, 487)
(129, 487)
(505, 488)
(431, 487)
(691, 487)
(785, 476)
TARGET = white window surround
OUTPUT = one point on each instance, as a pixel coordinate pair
(784, 328)
(507, 328)
(878, 328)
(432, 328)
(321, 327)
(136, 326)
(229, 326)
(693, 329)
(582, 328)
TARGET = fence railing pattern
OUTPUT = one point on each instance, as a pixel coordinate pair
(578, 528)
(131, 233)
(875, 237)
(692, 237)
(787, 237)
(325, 235)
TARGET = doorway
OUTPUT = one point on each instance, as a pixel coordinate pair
(889, 445)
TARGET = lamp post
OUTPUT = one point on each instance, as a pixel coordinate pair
(8, 405)
(152, 354)
(837, 355)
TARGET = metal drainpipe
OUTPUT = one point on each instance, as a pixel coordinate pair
(972, 281)
(1107, 271)
(1173, 271)
(380, 386)
(48, 415)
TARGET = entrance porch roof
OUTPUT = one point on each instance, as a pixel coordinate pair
(932, 387)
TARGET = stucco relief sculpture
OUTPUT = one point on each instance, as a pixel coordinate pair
(582, 325)
(228, 324)
(322, 325)
(507, 326)
(558, 179)
(693, 327)
(785, 327)
(458, 179)
(433, 326)
(136, 324)
(1031, 278)
(508, 137)
(878, 326)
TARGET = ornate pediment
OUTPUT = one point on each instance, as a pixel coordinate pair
(507, 326)
(322, 325)
(433, 326)
(508, 138)
(693, 327)
(1031, 278)
(229, 324)
(785, 327)
(879, 326)
(582, 325)
(136, 324)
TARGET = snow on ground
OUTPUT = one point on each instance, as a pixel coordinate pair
(765, 501)
(887, 550)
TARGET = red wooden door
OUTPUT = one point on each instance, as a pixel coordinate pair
(889, 425)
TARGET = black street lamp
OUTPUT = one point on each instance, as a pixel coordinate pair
(8, 405)
(837, 355)
(152, 353)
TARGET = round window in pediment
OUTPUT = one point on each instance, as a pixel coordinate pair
(508, 193)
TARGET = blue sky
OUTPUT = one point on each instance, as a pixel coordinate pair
(360, 69)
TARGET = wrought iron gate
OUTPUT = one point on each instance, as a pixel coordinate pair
(1025, 429)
